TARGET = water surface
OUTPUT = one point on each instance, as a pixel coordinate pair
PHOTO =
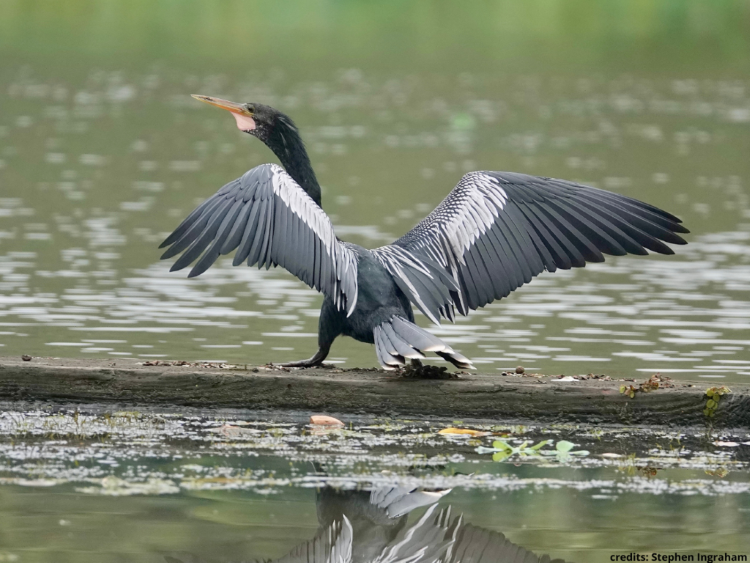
(104, 485)
(97, 172)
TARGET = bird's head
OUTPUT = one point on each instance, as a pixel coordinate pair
(257, 119)
(279, 133)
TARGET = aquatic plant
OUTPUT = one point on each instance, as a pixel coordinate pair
(713, 396)
(501, 450)
(563, 451)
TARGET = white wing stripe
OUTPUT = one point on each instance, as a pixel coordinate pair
(278, 223)
(288, 190)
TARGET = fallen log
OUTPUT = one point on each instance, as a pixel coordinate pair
(514, 397)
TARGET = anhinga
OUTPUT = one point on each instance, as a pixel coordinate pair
(494, 232)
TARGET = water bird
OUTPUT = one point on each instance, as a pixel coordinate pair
(494, 232)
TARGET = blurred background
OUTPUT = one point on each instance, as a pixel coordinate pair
(103, 152)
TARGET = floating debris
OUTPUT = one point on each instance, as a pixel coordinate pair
(323, 420)
(651, 384)
(463, 432)
(156, 452)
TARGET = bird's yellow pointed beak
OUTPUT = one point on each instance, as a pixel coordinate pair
(234, 107)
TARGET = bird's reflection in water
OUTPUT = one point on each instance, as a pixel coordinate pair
(372, 527)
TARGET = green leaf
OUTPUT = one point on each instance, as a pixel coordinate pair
(564, 446)
(501, 456)
(500, 445)
(540, 445)
(711, 404)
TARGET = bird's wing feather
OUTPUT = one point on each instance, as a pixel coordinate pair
(497, 230)
(331, 545)
(425, 540)
(271, 221)
(472, 544)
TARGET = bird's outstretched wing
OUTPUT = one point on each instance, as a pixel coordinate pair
(472, 544)
(331, 545)
(271, 221)
(497, 230)
(400, 500)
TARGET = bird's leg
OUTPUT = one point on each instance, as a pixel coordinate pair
(329, 327)
(316, 360)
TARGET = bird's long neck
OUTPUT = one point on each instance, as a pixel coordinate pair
(287, 145)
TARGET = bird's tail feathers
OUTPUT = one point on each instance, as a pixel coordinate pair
(397, 340)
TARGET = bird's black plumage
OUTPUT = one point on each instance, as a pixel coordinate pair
(494, 232)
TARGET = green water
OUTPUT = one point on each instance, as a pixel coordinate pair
(102, 485)
(103, 152)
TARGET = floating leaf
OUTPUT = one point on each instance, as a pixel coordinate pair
(540, 445)
(463, 431)
(563, 451)
(502, 450)
(564, 446)
(501, 456)
(502, 446)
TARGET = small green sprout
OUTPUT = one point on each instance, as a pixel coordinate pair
(713, 396)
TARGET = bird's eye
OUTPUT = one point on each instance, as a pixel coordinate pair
(250, 108)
